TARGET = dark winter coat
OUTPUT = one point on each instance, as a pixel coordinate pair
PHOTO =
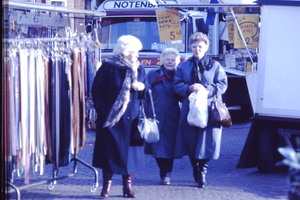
(116, 151)
(166, 103)
(199, 143)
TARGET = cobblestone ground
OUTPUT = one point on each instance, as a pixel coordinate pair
(225, 181)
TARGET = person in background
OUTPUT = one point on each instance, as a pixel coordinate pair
(118, 88)
(166, 103)
(200, 71)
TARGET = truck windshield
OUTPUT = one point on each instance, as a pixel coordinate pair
(144, 28)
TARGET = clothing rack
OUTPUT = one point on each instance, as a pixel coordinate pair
(75, 159)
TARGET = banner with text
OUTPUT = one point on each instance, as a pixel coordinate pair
(168, 22)
(250, 29)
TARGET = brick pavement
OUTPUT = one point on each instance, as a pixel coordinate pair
(225, 181)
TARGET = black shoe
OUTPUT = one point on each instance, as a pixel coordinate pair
(196, 173)
(202, 181)
(203, 168)
(165, 181)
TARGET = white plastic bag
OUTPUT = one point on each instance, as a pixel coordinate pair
(198, 113)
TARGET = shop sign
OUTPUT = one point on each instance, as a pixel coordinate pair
(117, 5)
(168, 22)
(39, 19)
(249, 25)
(110, 5)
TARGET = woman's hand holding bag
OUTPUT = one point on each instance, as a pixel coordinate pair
(198, 113)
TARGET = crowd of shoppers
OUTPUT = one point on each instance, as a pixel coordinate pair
(117, 91)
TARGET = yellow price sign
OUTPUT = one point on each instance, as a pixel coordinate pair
(168, 22)
(249, 25)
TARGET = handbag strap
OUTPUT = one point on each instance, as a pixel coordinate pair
(152, 104)
(142, 113)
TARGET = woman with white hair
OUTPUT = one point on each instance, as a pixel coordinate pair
(118, 88)
(166, 103)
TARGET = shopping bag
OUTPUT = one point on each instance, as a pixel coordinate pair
(147, 126)
(198, 113)
(219, 113)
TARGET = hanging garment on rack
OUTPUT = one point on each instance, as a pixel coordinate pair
(76, 99)
(53, 103)
(45, 95)
(49, 146)
(10, 101)
(32, 82)
(40, 102)
(65, 131)
(32, 101)
(69, 73)
(24, 112)
(82, 95)
(16, 134)
(6, 116)
(57, 109)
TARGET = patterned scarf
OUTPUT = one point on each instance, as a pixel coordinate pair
(169, 74)
(198, 70)
(123, 98)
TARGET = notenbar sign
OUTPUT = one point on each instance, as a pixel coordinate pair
(111, 5)
(128, 5)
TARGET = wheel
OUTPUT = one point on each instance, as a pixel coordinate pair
(266, 150)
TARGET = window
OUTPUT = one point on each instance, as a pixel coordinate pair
(144, 28)
(59, 3)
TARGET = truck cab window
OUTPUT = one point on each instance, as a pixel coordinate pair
(144, 28)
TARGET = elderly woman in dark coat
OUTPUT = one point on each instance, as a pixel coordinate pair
(200, 144)
(118, 87)
(166, 103)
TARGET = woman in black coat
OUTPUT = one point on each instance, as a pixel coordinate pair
(117, 90)
(166, 103)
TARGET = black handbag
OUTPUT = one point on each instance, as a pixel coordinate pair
(147, 126)
(219, 113)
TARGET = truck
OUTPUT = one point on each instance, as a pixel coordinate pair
(274, 88)
(138, 18)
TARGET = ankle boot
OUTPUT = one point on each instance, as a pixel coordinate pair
(203, 167)
(127, 189)
(107, 180)
(195, 163)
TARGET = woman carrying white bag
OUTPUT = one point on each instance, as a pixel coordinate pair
(197, 74)
(198, 114)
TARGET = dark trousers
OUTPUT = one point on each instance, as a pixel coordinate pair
(165, 165)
